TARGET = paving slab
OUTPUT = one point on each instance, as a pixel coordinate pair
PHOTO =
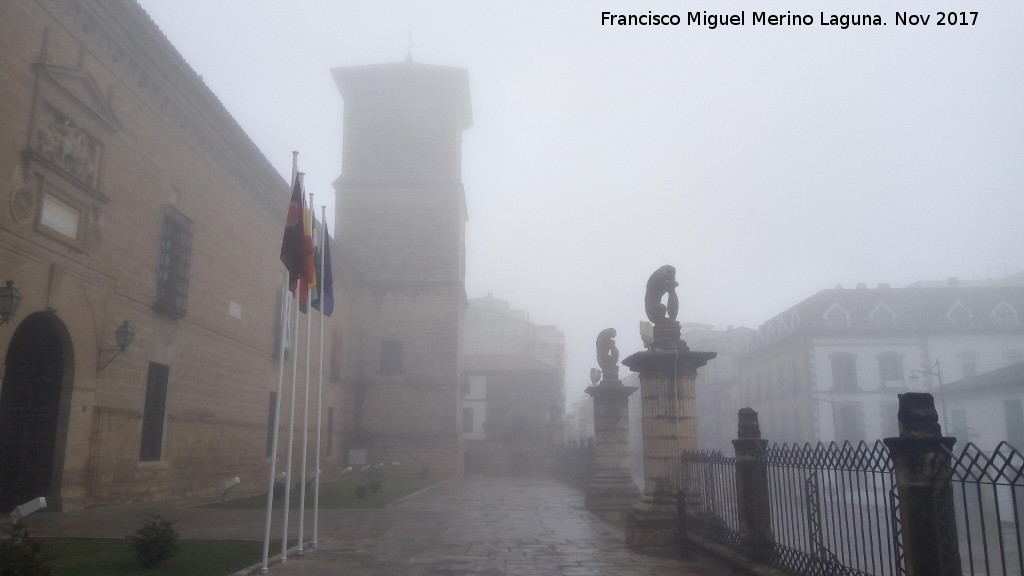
(480, 526)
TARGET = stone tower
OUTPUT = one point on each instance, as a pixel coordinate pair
(401, 217)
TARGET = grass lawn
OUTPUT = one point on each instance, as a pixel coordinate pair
(115, 557)
(344, 493)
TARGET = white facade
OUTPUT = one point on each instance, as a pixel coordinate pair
(831, 367)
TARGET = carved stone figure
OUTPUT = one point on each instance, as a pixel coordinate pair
(607, 353)
(662, 282)
(68, 146)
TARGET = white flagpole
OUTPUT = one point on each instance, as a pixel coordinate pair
(274, 424)
(291, 420)
(264, 565)
(320, 381)
(305, 407)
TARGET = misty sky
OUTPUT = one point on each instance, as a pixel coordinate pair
(765, 164)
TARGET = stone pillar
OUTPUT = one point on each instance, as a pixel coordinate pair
(668, 374)
(921, 459)
(611, 490)
(752, 487)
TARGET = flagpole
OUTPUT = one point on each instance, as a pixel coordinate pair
(274, 426)
(320, 380)
(305, 415)
(291, 421)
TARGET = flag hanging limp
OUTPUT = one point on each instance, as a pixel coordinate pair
(308, 281)
(325, 276)
(296, 248)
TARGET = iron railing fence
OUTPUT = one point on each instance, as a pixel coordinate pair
(833, 507)
(574, 461)
(988, 495)
(709, 496)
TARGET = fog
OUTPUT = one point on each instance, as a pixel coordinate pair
(764, 163)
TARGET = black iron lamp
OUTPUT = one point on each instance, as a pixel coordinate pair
(123, 336)
(10, 298)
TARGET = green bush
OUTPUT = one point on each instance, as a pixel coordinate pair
(360, 491)
(375, 485)
(21, 555)
(155, 541)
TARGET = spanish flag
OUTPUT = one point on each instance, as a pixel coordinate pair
(307, 281)
(297, 243)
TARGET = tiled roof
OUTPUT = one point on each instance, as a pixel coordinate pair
(900, 309)
(1012, 375)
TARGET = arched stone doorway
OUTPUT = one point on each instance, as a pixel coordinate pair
(34, 401)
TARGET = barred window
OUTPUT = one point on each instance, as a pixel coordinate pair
(153, 412)
(175, 255)
(844, 372)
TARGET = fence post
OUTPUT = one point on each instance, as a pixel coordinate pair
(920, 455)
(755, 513)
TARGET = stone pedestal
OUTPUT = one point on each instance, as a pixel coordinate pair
(611, 491)
(922, 463)
(668, 374)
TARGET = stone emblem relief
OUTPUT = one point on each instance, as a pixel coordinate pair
(20, 197)
(64, 143)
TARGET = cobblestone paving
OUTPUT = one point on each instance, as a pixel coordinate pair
(480, 526)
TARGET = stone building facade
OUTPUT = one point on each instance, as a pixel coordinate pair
(831, 367)
(129, 193)
(401, 214)
(513, 397)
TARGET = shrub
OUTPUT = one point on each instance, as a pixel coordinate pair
(21, 555)
(375, 484)
(155, 541)
(360, 491)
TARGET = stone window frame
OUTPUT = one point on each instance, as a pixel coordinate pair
(174, 263)
(844, 372)
(71, 120)
(890, 370)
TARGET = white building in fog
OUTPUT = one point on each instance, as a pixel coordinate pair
(830, 367)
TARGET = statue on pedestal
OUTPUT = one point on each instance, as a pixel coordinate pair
(608, 354)
(662, 282)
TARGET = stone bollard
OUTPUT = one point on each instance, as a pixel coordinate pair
(920, 456)
(755, 513)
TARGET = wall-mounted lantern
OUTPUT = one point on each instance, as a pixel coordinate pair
(123, 336)
(10, 298)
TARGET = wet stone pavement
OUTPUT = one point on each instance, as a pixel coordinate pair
(481, 526)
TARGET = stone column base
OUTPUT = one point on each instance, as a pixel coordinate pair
(610, 496)
(653, 527)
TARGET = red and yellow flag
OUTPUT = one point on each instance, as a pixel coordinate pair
(297, 243)
(308, 280)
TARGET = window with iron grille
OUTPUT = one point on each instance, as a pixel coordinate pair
(175, 254)
(155, 405)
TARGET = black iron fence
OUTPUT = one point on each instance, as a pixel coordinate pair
(835, 508)
(988, 495)
(829, 510)
(574, 461)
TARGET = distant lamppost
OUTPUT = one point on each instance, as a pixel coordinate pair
(123, 336)
(10, 298)
(915, 376)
